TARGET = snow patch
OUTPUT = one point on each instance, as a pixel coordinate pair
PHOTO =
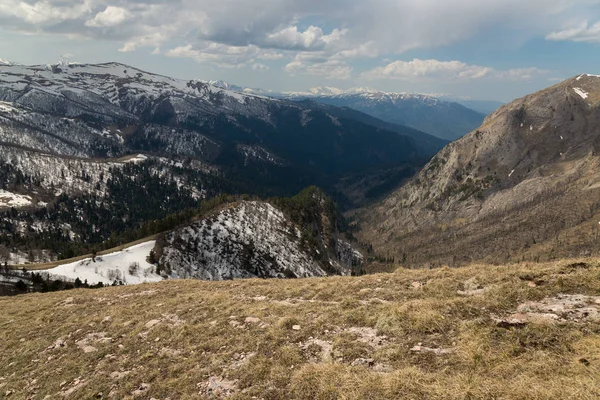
(119, 266)
(137, 159)
(6, 107)
(511, 173)
(8, 199)
(584, 95)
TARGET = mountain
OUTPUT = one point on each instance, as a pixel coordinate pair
(94, 156)
(446, 120)
(111, 110)
(524, 185)
(257, 239)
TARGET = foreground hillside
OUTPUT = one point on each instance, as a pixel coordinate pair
(511, 332)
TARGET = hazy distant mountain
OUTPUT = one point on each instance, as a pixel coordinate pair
(482, 106)
(447, 120)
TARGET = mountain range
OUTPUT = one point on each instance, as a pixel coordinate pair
(94, 156)
(438, 115)
(97, 156)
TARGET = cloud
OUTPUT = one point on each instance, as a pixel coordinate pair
(111, 16)
(377, 26)
(28, 15)
(234, 33)
(447, 70)
(311, 39)
(315, 65)
(260, 67)
(581, 33)
(225, 56)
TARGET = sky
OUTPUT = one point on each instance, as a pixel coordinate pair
(480, 49)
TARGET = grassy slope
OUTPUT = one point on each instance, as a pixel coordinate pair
(171, 339)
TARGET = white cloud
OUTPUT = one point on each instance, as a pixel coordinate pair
(150, 40)
(311, 39)
(260, 67)
(224, 56)
(446, 70)
(29, 14)
(308, 64)
(111, 16)
(581, 33)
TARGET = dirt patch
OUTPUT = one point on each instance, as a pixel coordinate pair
(217, 386)
(561, 308)
(317, 350)
(369, 336)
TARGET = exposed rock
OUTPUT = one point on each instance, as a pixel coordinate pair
(563, 307)
(141, 390)
(152, 323)
(369, 336)
(85, 343)
(218, 387)
(325, 350)
(365, 362)
(436, 351)
(59, 344)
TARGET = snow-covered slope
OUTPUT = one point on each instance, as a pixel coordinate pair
(48, 176)
(250, 239)
(111, 110)
(129, 266)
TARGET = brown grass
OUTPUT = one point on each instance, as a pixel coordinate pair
(179, 336)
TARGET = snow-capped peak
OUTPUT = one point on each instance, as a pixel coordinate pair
(5, 62)
(367, 92)
(223, 85)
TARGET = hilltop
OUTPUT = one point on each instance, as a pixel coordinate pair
(510, 332)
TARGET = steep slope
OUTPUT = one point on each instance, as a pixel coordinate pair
(404, 335)
(523, 185)
(445, 119)
(251, 239)
(427, 145)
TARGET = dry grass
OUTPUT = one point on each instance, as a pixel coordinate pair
(332, 338)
